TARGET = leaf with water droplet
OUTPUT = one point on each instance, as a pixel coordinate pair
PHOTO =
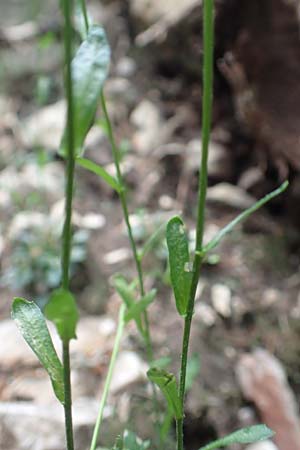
(179, 258)
(32, 324)
(89, 71)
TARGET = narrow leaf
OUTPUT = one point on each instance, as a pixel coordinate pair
(100, 171)
(244, 436)
(134, 312)
(125, 290)
(168, 385)
(228, 228)
(127, 293)
(89, 71)
(62, 310)
(179, 262)
(32, 324)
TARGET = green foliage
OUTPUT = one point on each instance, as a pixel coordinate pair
(179, 260)
(244, 436)
(31, 323)
(168, 385)
(35, 261)
(84, 80)
(100, 171)
(89, 70)
(62, 310)
(229, 228)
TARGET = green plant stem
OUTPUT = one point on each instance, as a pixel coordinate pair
(85, 15)
(67, 229)
(112, 363)
(123, 200)
(208, 42)
(136, 256)
(68, 398)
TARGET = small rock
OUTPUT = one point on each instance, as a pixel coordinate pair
(205, 314)
(147, 119)
(219, 162)
(45, 127)
(265, 445)
(263, 381)
(250, 178)
(221, 299)
(117, 256)
(129, 369)
(230, 195)
(91, 221)
(126, 67)
(26, 426)
(271, 296)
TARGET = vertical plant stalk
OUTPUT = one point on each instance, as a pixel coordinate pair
(85, 15)
(112, 363)
(67, 229)
(136, 256)
(123, 201)
(208, 43)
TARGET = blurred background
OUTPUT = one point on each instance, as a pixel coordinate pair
(245, 357)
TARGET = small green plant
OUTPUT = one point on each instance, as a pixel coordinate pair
(85, 72)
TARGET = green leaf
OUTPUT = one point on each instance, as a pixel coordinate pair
(62, 310)
(244, 436)
(135, 310)
(179, 260)
(89, 71)
(168, 385)
(127, 293)
(32, 324)
(80, 24)
(100, 171)
(228, 228)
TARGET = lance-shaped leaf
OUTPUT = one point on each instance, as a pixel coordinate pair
(100, 171)
(89, 71)
(179, 259)
(32, 325)
(62, 310)
(137, 308)
(127, 293)
(168, 385)
(228, 228)
(244, 436)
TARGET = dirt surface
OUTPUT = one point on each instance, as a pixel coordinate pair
(154, 95)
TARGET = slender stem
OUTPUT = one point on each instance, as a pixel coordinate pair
(179, 434)
(68, 398)
(208, 42)
(67, 229)
(123, 200)
(136, 256)
(85, 15)
(70, 166)
(112, 363)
